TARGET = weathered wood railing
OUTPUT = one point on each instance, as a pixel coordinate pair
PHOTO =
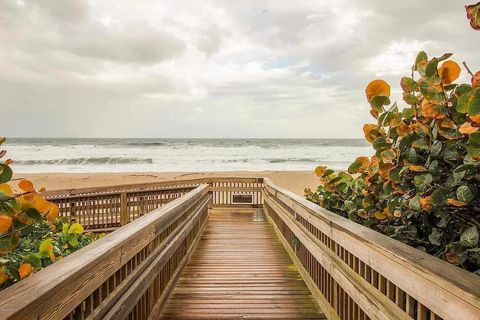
(125, 275)
(357, 273)
(107, 208)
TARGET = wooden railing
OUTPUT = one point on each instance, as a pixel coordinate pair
(108, 208)
(126, 275)
(357, 273)
(97, 210)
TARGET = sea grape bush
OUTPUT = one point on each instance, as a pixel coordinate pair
(31, 234)
(422, 184)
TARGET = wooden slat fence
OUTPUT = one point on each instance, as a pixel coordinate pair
(125, 275)
(108, 208)
(357, 273)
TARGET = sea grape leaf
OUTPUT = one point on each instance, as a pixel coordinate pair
(5, 173)
(474, 103)
(449, 71)
(470, 236)
(465, 194)
(473, 14)
(439, 196)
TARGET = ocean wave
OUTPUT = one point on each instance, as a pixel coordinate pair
(282, 160)
(87, 161)
(145, 144)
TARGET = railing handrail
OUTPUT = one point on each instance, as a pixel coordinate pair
(53, 285)
(163, 185)
(454, 285)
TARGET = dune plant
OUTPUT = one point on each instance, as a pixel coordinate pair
(422, 184)
(31, 234)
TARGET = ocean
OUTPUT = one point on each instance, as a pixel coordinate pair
(33, 155)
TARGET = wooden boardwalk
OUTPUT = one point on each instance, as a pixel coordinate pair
(240, 270)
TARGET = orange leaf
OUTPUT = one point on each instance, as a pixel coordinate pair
(26, 186)
(449, 71)
(426, 203)
(5, 188)
(403, 129)
(415, 168)
(373, 166)
(52, 212)
(467, 128)
(377, 88)
(380, 215)
(475, 118)
(429, 110)
(371, 132)
(320, 170)
(384, 169)
(446, 123)
(476, 80)
(456, 203)
(452, 257)
(5, 223)
(3, 277)
(25, 270)
(364, 164)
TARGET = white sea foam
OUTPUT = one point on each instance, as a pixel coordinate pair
(166, 155)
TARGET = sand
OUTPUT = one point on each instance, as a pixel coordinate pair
(295, 181)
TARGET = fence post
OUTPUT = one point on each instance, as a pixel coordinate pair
(123, 209)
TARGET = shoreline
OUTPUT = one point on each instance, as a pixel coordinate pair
(295, 181)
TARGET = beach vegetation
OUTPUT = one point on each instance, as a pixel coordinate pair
(32, 236)
(421, 185)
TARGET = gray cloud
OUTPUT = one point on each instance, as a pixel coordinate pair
(220, 68)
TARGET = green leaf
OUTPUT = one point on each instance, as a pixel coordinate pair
(435, 237)
(353, 168)
(410, 99)
(470, 236)
(5, 173)
(462, 89)
(414, 203)
(33, 214)
(77, 227)
(445, 56)
(379, 101)
(45, 248)
(422, 181)
(408, 84)
(408, 113)
(430, 93)
(462, 103)
(34, 260)
(432, 67)
(439, 196)
(474, 103)
(465, 194)
(436, 148)
(421, 57)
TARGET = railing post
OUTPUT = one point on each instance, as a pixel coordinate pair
(123, 209)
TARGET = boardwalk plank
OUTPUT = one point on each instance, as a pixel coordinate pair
(240, 270)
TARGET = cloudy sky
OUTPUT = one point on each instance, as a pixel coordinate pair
(122, 68)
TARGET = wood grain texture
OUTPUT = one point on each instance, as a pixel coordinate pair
(240, 270)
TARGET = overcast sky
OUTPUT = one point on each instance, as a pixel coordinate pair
(122, 68)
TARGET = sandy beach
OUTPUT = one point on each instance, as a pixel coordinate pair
(295, 181)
